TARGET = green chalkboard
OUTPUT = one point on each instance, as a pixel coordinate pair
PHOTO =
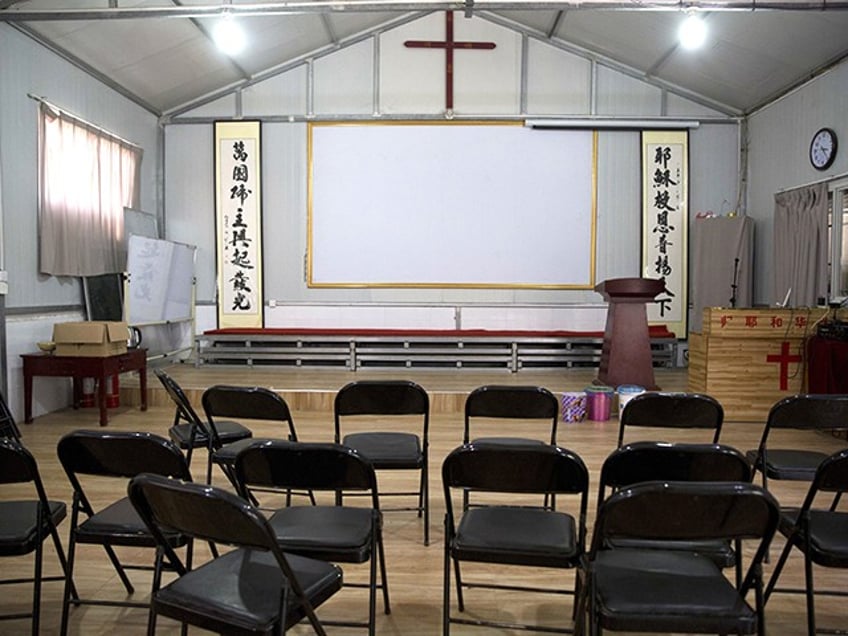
(104, 296)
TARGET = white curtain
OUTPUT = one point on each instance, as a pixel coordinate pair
(801, 245)
(87, 176)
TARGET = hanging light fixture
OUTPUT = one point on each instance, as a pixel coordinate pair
(228, 35)
(692, 32)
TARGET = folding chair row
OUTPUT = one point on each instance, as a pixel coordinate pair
(396, 449)
(663, 571)
(385, 421)
(507, 529)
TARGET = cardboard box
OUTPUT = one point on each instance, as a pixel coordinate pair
(90, 339)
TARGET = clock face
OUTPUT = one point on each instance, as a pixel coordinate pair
(823, 149)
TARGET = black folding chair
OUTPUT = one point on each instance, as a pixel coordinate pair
(657, 461)
(87, 455)
(506, 532)
(820, 533)
(507, 412)
(254, 589)
(335, 533)
(658, 410)
(812, 413)
(514, 406)
(25, 524)
(189, 431)
(243, 403)
(388, 422)
(664, 591)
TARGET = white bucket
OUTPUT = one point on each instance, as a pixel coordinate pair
(627, 392)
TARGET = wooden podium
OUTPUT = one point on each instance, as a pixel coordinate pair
(748, 359)
(626, 355)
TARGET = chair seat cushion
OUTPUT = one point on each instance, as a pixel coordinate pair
(241, 590)
(518, 536)
(828, 535)
(667, 591)
(228, 432)
(19, 525)
(333, 533)
(119, 524)
(797, 465)
(387, 449)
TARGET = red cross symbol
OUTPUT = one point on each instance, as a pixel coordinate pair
(448, 44)
(784, 359)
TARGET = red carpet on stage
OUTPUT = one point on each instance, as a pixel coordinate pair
(657, 331)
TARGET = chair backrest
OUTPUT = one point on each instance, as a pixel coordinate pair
(242, 402)
(185, 411)
(672, 410)
(18, 466)
(511, 402)
(118, 454)
(514, 468)
(299, 465)
(831, 476)
(658, 461)
(8, 428)
(199, 511)
(808, 412)
(689, 511)
(121, 454)
(381, 397)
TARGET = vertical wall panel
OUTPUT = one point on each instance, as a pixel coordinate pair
(283, 94)
(412, 80)
(223, 108)
(558, 83)
(344, 81)
(622, 95)
(190, 198)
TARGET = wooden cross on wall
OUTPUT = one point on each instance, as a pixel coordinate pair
(448, 44)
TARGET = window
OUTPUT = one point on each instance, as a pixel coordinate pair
(86, 178)
(838, 238)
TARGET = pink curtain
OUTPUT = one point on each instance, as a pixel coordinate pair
(87, 177)
(801, 245)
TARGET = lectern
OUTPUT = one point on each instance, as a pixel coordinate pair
(626, 354)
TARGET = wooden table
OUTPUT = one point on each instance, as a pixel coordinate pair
(79, 367)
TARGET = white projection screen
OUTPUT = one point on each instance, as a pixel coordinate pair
(425, 204)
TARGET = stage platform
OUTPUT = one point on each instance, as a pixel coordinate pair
(315, 389)
(434, 349)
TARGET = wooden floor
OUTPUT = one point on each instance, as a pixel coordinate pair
(415, 571)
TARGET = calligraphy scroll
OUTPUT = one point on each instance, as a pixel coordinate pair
(665, 213)
(238, 210)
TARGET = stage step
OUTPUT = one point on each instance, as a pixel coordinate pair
(315, 390)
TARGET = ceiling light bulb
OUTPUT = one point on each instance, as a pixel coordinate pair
(692, 32)
(228, 35)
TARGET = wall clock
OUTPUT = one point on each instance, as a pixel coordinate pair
(823, 149)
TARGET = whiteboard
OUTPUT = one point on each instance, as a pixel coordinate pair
(423, 204)
(160, 281)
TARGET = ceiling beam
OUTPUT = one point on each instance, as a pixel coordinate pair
(11, 14)
(200, 26)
